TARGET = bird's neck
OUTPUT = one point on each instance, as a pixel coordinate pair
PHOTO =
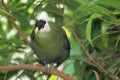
(46, 28)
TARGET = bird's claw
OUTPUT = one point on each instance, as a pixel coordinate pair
(47, 68)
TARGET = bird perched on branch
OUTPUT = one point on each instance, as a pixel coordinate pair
(49, 42)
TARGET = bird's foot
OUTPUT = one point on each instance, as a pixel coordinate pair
(48, 68)
(52, 66)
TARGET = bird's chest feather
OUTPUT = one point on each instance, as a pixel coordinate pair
(48, 42)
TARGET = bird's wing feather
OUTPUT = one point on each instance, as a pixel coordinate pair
(33, 34)
(65, 47)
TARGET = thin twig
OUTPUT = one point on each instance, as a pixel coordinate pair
(35, 67)
(96, 75)
(15, 25)
(98, 65)
(5, 76)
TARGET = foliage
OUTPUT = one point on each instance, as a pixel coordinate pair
(96, 22)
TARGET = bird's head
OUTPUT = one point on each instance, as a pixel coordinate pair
(39, 25)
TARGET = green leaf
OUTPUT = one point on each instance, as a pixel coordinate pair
(110, 3)
(23, 20)
(4, 12)
(52, 9)
(104, 36)
(77, 65)
(82, 59)
(94, 8)
(72, 4)
(89, 27)
(2, 33)
(117, 42)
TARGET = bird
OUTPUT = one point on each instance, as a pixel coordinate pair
(49, 42)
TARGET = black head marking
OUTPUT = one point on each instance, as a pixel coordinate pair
(40, 24)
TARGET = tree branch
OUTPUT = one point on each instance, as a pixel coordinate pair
(37, 67)
(26, 66)
(15, 25)
(98, 65)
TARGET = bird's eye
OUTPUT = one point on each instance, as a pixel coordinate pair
(42, 26)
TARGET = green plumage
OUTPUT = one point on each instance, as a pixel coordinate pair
(51, 46)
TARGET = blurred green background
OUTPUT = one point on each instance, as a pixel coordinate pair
(96, 22)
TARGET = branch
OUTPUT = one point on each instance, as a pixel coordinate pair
(26, 66)
(96, 75)
(15, 25)
(35, 67)
(99, 66)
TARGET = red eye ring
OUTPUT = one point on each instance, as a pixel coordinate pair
(42, 26)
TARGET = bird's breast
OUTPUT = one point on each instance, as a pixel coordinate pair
(47, 43)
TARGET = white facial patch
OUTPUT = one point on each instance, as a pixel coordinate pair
(46, 28)
(44, 16)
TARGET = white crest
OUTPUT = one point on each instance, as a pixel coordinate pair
(44, 16)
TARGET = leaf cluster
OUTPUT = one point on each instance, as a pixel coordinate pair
(96, 22)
